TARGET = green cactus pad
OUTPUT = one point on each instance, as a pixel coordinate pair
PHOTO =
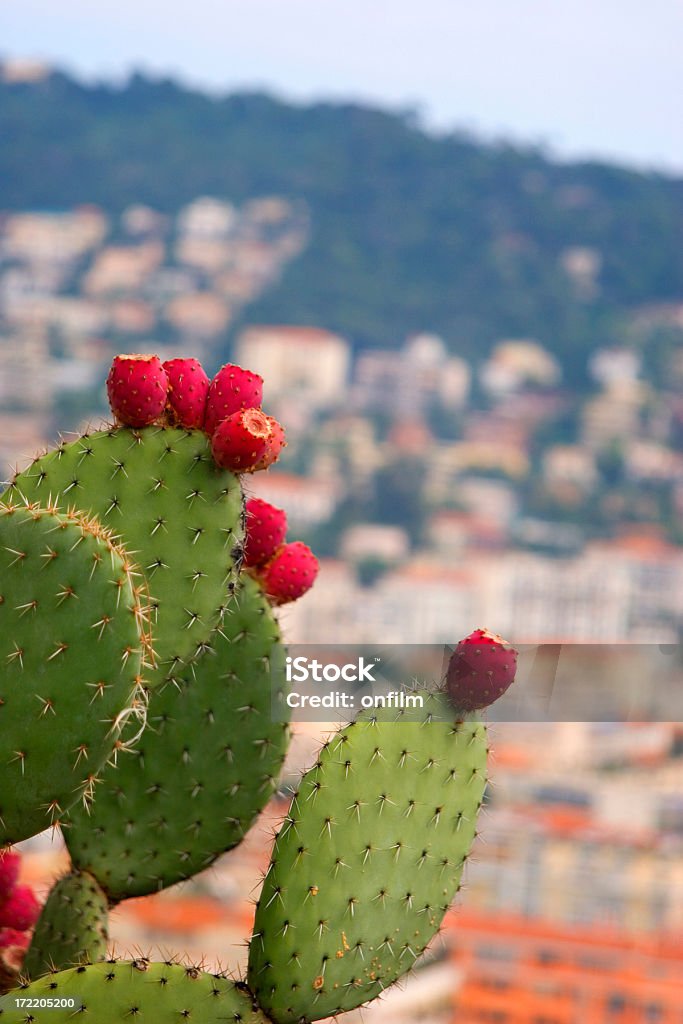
(116, 992)
(367, 862)
(71, 656)
(178, 514)
(203, 769)
(72, 927)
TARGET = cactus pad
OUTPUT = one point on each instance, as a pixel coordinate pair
(203, 769)
(367, 861)
(115, 992)
(72, 616)
(72, 928)
(175, 511)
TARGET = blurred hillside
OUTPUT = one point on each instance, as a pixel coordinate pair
(477, 352)
(410, 232)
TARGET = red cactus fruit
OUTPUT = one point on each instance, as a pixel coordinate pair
(232, 389)
(21, 910)
(290, 573)
(188, 387)
(137, 387)
(266, 531)
(276, 443)
(481, 668)
(10, 863)
(10, 937)
(240, 441)
(13, 946)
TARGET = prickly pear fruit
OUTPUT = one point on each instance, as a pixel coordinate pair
(137, 386)
(290, 573)
(266, 531)
(11, 937)
(239, 441)
(233, 388)
(18, 910)
(188, 387)
(481, 669)
(21, 910)
(10, 863)
(13, 946)
(276, 442)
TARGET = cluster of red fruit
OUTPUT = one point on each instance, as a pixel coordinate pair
(286, 571)
(142, 390)
(19, 910)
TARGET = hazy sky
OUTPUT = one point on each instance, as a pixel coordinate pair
(585, 77)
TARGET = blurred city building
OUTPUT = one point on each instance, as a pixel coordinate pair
(305, 364)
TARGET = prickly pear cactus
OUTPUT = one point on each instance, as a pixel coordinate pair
(115, 992)
(367, 861)
(180, 516)
(73, 621)
(72, 928)
(204, 768)
(365, 866)
(372, 850)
